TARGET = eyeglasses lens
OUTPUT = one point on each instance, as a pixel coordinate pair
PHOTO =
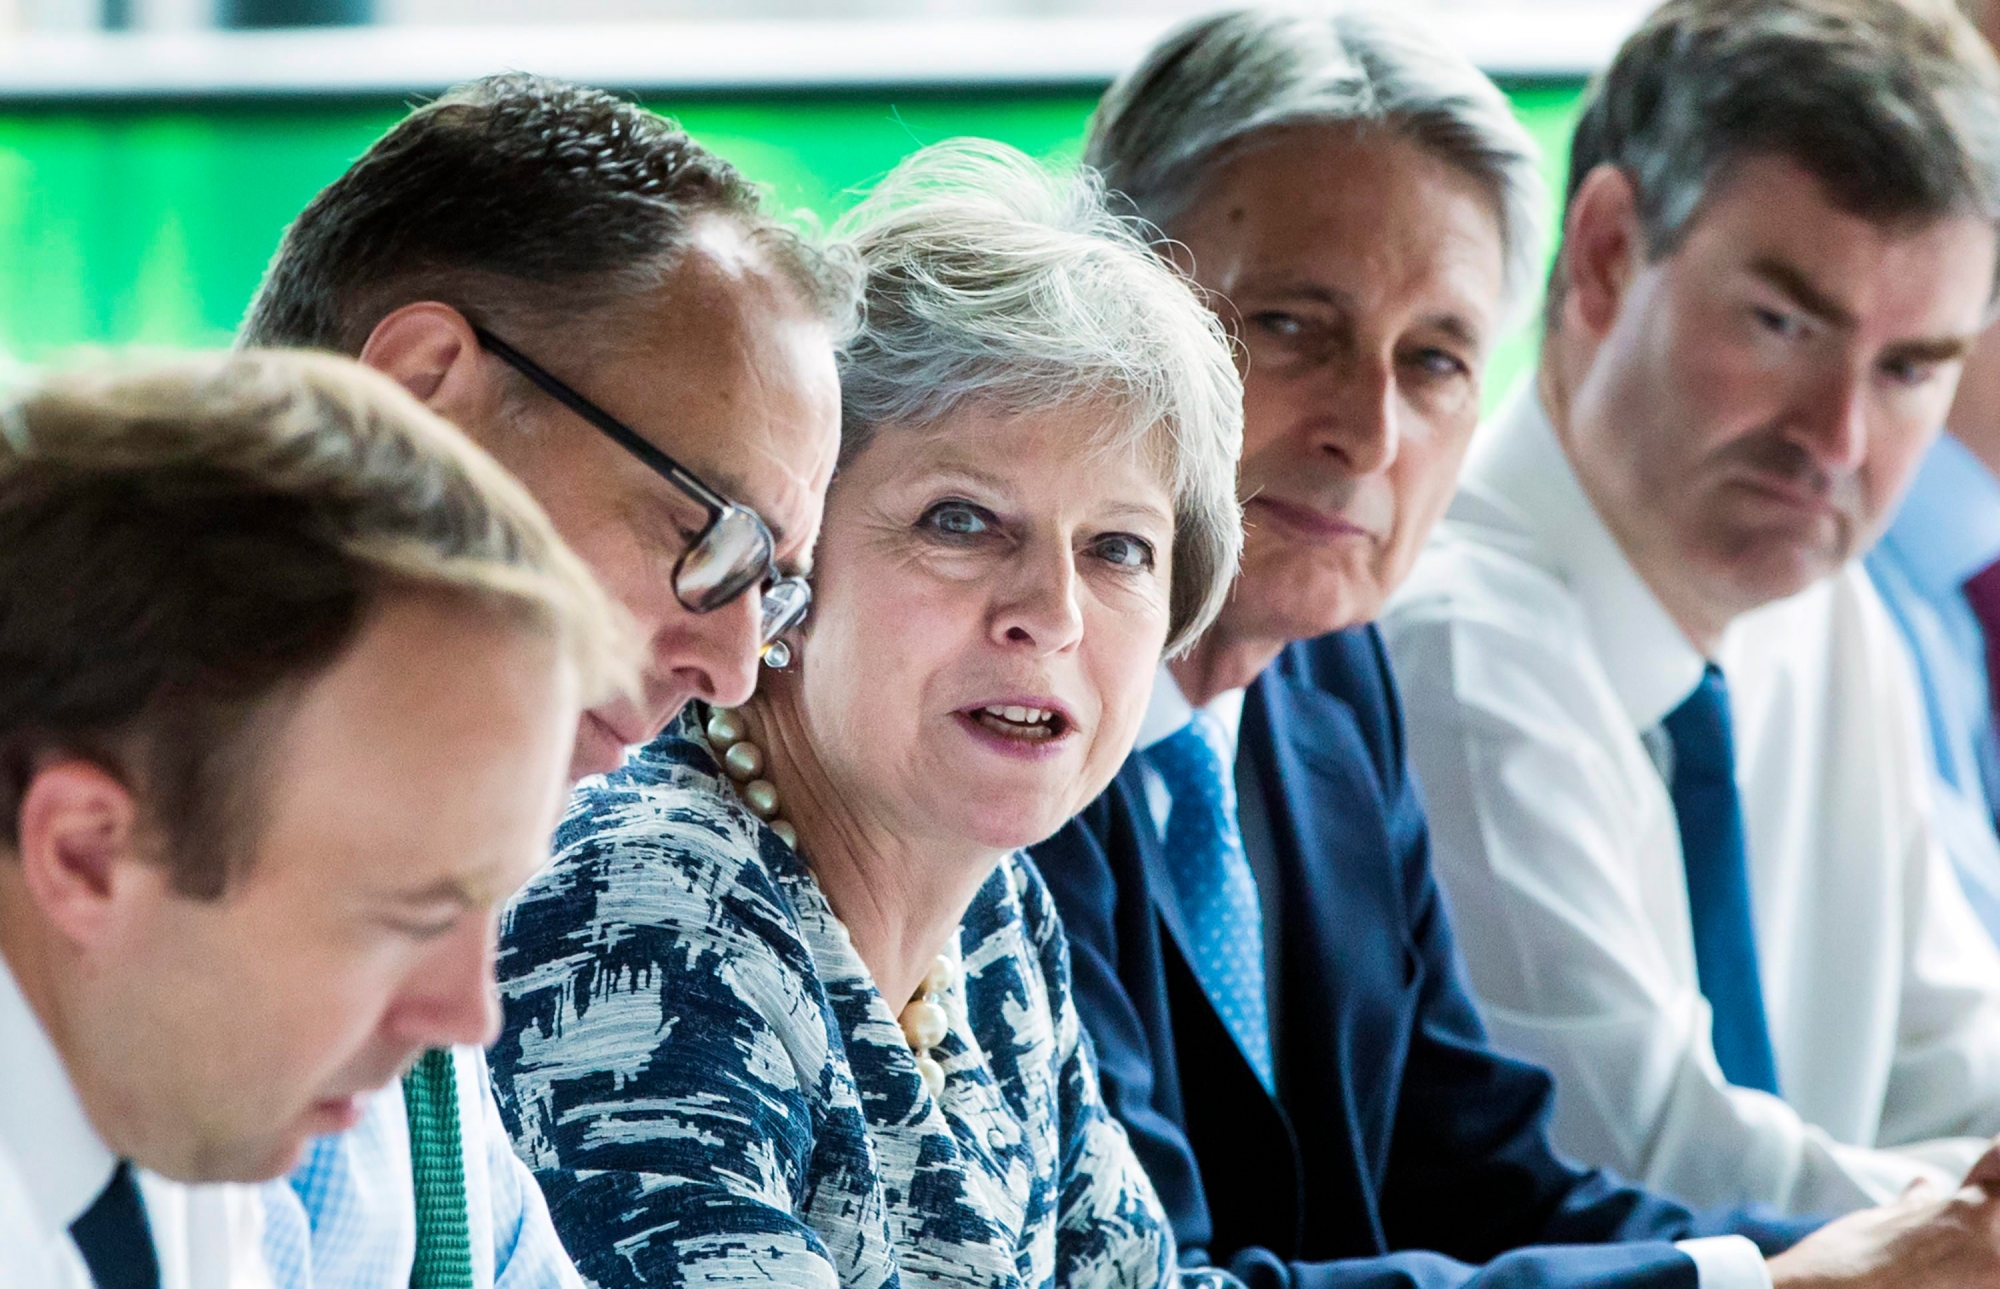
(729, 559)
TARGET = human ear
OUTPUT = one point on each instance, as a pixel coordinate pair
(79, 842)
(429, 349)
(1601, 245)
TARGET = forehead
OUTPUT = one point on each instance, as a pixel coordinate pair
(1365, 213)
(426, 749)
(727, 369)
(1080, 453)
(1930, 276)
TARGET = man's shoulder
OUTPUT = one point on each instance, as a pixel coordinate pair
(1473, 581)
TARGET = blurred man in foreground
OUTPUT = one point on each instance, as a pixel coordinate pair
(289, 679)
(600, 303)
(1665, 730)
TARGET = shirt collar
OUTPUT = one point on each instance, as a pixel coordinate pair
(1948, 526)
(43, 1127)
(1168, 710)
(1518, 480)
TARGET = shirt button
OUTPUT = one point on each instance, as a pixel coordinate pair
(996, 1139)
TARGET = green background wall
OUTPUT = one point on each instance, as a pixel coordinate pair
(151, 224)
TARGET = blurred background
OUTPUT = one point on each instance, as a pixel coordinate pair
(152, 151)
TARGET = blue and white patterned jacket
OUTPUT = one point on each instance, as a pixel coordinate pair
(710, 1089)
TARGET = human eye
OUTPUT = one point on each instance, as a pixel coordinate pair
(1276, 322)
(1123, 550)
(422, 927)
(957, 520)
(1440, 364)
(1778, 322)
(1909, 372)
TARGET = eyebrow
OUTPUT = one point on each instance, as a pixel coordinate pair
(1792, 281)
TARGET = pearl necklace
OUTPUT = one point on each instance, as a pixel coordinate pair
(923, 1019)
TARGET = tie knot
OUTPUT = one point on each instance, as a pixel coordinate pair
(1193, 758)
(1700, 729)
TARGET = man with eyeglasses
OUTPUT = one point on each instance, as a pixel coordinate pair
(599, 303)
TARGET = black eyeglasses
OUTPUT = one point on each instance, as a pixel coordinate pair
(734, 550)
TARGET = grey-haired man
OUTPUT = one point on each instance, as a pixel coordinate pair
(1325, 1109)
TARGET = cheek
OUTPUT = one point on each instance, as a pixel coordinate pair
(1271, 406)
(1424, 478)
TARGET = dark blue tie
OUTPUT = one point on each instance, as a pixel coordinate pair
(1718, 881)
(114, 1239)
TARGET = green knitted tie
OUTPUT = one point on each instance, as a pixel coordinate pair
(437, 1167)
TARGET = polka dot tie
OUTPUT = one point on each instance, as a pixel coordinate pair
(1212, 881)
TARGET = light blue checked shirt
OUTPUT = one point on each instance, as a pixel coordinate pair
(346, 1218)
(1948, 529)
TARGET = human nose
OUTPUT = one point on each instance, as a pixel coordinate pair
(1359, 423)
(452, 999)
(1833, 422)
(1039, 607)
(715, 653)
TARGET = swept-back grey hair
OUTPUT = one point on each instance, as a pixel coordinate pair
(1221, 83)
(994, 283)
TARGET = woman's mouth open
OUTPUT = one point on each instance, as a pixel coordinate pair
(1029, 724)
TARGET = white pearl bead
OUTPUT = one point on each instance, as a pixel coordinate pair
(938, 980)
(744, 761)
(924, 1024)
(726, 727)
(933, 1074)
(786, 833)
(761, 795)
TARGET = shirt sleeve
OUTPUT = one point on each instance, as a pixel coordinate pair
(1727, 1262)
(1943, 1082)
(656, 1068)
(1543, 804)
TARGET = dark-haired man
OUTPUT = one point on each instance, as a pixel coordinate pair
(1678, 790)
(1261, 952)
(599, 303)
(239, 596)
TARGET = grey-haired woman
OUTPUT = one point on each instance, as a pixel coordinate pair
(792, 1006)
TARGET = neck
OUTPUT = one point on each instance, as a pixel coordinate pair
(33, 958)
(1563, 374)
(1222, 660)
(901, 896)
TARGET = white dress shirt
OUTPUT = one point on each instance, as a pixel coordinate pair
(53, 1166)
(347, 1218)
(1537, 666)
(1721, 1261)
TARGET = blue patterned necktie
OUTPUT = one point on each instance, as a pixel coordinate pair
(1717, 859)
(114, 1238)
(1213, 884)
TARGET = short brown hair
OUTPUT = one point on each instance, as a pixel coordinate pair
(184, 545)
(529, 203)
(1893, 106)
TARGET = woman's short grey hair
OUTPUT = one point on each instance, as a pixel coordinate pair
(1893, 105)
(1222, 83)
(996, 284)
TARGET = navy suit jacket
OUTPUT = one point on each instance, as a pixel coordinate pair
(1401, 1150)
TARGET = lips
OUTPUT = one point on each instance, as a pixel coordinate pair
(1308, 520)
(1030, 724)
